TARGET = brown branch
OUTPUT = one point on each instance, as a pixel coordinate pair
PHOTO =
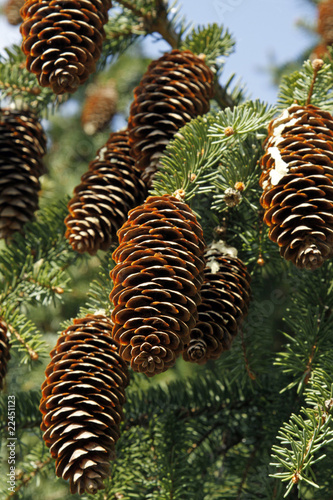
(204, 436)
(250, 373)
(130, 6)
(221, 96)
(56, 289)
(26, 478)
(33, 354)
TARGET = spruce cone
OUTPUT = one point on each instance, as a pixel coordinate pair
(297, 185)
(157, 281)
(99, 107)
(4, 351)
(62, 40)
(110, 188)
(22, 145)
(12, 11)
(325, 21)
(176, 88)
(225, 295)
(82, 400)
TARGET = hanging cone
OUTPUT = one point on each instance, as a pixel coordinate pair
(4, 351)
(225, 295)
(22, 145)
(157, 281)
(12, 11)
(325, 21)
(99, 107)
(62, 40)
(176, 88)
(82, 400)
(110, 188)
(297, 185)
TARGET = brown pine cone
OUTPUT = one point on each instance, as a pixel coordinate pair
(176, 88)
(4, 351)
(99, 107)
(12, 11)
(22, 145)
(297, 182)
(325, 21)
(63, 40)
(110, 188)
(156, 281)
(82, 400)
(225, 295)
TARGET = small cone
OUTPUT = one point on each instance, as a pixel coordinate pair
(82, 400)
(225, 295)
(12, 11)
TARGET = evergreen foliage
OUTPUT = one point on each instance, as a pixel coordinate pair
(257, 422)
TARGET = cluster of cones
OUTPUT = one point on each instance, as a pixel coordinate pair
(167, 300)
(172, 295)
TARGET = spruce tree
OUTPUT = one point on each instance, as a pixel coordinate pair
(166, 274)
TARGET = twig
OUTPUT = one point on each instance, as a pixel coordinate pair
(223, 99)
(33, 354)
(248, 369)
(316, 65)
(28, 477)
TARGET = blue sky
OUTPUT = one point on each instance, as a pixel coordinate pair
(262, 28)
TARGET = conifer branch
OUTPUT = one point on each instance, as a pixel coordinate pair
(24, 479)
(250, 373)
(188, 162)
(33, 354)
(302, 438)
(313, 84)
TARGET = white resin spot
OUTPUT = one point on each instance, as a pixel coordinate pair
(101, 154)
(224, 249)
(280, 168)
(280, 123)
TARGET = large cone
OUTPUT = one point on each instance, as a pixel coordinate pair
(297, 182)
